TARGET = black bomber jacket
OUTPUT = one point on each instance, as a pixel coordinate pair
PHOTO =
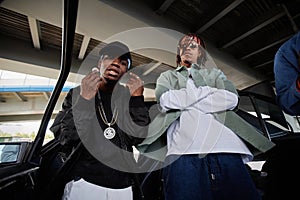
(104, 162)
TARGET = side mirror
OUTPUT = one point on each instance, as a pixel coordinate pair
(9, 152)
(12, 152)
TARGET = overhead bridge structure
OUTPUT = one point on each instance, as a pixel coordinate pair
(24, 97)
(21, 103)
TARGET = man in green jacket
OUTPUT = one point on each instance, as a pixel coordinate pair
(206, 152)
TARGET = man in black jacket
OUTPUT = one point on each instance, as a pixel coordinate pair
(108, 118)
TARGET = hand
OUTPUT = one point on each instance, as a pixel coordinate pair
(135, 85)
(89, 85)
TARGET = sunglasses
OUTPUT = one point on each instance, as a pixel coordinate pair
(190, 45)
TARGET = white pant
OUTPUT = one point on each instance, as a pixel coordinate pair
(83, 190)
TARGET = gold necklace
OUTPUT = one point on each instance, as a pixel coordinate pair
(109, 132)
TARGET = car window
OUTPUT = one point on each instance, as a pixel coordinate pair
(24, 98)
(266, 116)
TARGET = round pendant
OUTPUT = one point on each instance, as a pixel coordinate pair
(109, 133)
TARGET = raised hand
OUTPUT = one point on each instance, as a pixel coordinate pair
(135, 85)
(89, 85)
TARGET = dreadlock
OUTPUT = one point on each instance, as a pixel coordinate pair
(193, 36)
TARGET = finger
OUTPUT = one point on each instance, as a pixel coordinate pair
(95, 69)
(134, 76)
(91, 76)
(91, 79)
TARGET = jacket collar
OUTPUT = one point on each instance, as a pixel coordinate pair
(182, 67)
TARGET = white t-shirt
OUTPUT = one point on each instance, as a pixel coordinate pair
(197, 131)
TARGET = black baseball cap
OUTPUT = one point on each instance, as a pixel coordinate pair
(117, 50)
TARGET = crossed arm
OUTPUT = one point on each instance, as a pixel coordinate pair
(204, 98)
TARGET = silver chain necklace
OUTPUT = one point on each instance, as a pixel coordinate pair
(109, 132)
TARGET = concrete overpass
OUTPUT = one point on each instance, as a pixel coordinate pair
(24, 96)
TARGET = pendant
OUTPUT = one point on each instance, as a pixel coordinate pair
(109, 133)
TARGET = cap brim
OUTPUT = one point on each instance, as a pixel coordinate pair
(113, 51)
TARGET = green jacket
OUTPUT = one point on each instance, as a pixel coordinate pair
(154, 146)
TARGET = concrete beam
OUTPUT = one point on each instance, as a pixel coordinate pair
(83, 47)
(14, 109)
(20, 96)
(32, 61)
(35, 32)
